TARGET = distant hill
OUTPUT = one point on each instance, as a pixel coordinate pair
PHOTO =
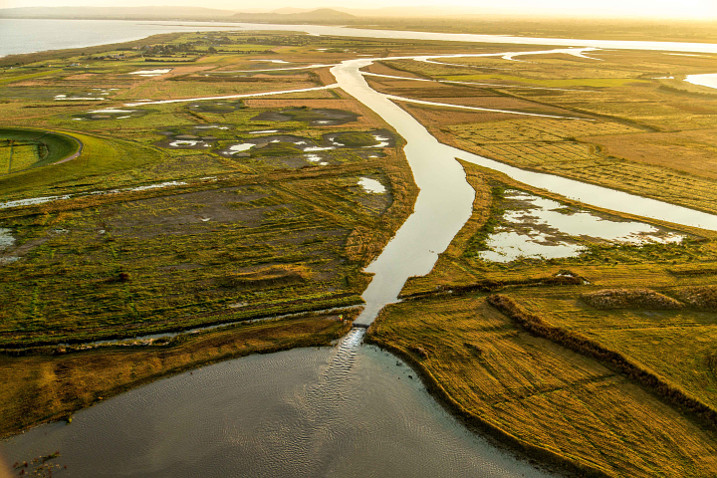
(283, 15)
(290, 10)
(322, 15)
(128, 13)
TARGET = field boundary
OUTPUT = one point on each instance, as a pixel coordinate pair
(536, 326)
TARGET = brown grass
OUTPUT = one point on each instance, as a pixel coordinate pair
(550, 400)
(701, 297)
(693, 152)
(630, 299)
(614, 360)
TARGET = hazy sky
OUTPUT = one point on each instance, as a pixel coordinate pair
(704, 9)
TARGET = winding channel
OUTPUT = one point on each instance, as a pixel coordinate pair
(445, 198)
(351, 410)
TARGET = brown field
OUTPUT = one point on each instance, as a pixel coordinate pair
(542, 394)
(686, 151)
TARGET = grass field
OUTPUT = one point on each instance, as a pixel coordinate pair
(23, 149)
(274, 243)
(645, 130)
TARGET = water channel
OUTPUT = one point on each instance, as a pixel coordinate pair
(445, 199)
(351, 410)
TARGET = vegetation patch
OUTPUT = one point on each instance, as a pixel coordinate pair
(216, 106)
(311, 116)
(630, 299)
(537, 326)
(270, 276)
(700, 297)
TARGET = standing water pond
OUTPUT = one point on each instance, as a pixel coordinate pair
(540, 228)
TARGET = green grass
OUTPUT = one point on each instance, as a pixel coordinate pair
(48, 147)
(27, 76)
(105, 162)
(17, 156)
(356, 139)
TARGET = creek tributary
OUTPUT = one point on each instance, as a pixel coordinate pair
(445, 199)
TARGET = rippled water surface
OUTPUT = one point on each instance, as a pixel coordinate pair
(346, 411)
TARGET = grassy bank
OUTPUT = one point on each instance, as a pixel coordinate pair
(22, 149)
(44, 388)
(545, 399)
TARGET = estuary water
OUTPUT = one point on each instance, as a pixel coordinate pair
(31, 35)
(347, 411)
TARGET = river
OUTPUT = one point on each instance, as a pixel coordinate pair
(351, 410)
(445, 199)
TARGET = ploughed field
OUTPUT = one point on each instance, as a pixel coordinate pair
(579, 336)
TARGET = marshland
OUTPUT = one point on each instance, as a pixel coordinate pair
(538, 226)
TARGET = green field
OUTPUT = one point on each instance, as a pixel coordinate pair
(22, 149)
